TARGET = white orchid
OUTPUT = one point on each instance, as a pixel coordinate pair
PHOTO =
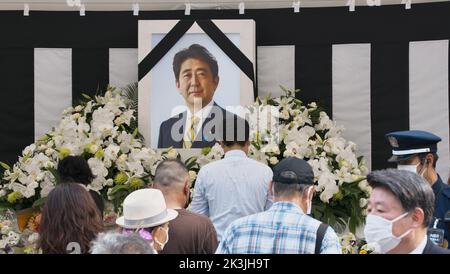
(111, 152)
(327, 184)
(102, 121)
(97, 167)
(271, 148)
(325, 123)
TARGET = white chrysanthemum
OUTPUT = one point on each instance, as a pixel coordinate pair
(273, 160)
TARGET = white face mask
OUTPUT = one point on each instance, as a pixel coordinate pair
(412, 168)
(378, 232)
(309, 208)
(161, 245)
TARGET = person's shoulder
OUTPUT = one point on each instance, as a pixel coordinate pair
(211, 166)
(261, 167)
(172, 119)
(431, 248)
(446, 190)
(194, 217)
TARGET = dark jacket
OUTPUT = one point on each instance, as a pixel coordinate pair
(431, 248)
(442, 205)
(207, 139)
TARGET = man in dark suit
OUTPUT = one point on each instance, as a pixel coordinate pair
(196, 78)
(399, 211)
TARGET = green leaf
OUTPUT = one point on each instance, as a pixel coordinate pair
(119, 187)
(86, 96)
(135, 133)
(5, 166)
(191, 162)
(39, 203)
(55, 174)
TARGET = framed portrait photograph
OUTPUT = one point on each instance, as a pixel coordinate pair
(194, 86)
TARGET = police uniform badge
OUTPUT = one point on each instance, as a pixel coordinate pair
(393, 141)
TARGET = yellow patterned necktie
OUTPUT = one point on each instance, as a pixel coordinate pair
(187, 143)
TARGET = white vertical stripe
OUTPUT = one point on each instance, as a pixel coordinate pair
(428, 94)
(276, 66)
(123, 67)
(52, 87)
(351, 95)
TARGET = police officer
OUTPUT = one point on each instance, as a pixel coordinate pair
(416, 151)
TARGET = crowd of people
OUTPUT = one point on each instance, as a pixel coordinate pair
(241, 206)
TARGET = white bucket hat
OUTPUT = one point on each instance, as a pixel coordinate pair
(145, 208)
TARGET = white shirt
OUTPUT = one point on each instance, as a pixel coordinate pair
(419, 249)
(201, 114)
(231, 188)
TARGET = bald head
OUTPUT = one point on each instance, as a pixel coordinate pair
(170, 174)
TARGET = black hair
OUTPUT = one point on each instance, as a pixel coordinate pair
(195, 51)
(409, 188)
(75, 169)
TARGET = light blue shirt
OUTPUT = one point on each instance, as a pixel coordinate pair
(283, 229)
(231, 188)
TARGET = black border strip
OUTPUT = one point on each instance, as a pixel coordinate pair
(90, 72)
(17, 110)
(163, 47)
(314, 75)
(389, 97)
(336, 25)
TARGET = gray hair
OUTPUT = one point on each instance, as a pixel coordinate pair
(288, 190)
(409, 188)
(117, 243)
(169, 172)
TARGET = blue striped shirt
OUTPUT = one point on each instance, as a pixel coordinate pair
(283, 229)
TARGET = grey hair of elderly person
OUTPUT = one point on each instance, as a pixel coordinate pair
(117, 243)
(409, 188)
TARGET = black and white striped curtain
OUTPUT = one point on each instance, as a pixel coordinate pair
(373, 71)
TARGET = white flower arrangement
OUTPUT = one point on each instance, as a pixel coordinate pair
(8, 237)
(307, 133)
(104, 131)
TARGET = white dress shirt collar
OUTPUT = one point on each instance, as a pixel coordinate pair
(419, 249)
(235, 153)
(202, 114)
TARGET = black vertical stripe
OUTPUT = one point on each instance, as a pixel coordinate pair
(16, 113)
(313, 75)
(389, 97)
(90, 71)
